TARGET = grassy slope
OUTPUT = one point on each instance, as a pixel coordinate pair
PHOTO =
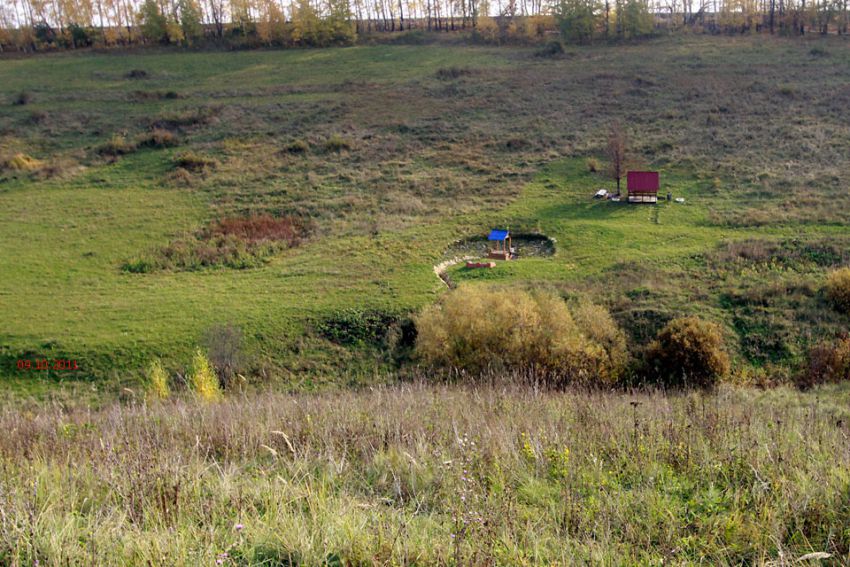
(69, 241)
(428, 166)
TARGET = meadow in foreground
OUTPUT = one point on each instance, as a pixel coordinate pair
(424, 474)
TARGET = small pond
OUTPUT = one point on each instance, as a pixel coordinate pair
(526, 245)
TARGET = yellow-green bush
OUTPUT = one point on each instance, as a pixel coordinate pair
(118, 145)
(157, 383)
(480, 328)
(203, 379)
(22, 162)
(688, 352)
(487, 30)
(838, 289)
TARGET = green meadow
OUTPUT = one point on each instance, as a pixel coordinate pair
(403, 151)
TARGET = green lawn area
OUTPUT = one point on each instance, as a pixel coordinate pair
(429, 161)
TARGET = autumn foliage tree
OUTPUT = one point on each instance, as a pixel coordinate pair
(153, 22)
(190, 21)
(688, 353)
(28, 25)
(578, 20)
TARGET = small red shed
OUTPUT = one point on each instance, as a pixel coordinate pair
(642, 186)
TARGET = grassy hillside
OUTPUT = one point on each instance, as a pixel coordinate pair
(391, 154)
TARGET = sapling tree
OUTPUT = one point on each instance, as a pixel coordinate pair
(616, 153)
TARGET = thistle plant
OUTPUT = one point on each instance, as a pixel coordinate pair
(468, 514)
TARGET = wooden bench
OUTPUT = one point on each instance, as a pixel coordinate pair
(472, 265)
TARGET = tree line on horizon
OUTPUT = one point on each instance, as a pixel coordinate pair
(37, 25)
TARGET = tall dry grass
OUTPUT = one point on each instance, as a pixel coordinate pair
(430, 475)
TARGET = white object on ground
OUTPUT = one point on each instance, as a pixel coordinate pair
(679, 199)
(601, 194)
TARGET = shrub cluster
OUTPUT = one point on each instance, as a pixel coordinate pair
(117, 145)
(552, 49)
(337, 143)
(838, 289)
(185, 118)
(22, 163)
(522, 30)
(828, 363)
(449, 73)
(191, 161)
(235, 242)
(193, 253)
(120, 144)
(362, 327)
(159, 138)
(259, 228)
(297, 147)
(213, 370)
(480, 328)
(688, 352)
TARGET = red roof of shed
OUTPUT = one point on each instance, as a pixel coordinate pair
(642, 181)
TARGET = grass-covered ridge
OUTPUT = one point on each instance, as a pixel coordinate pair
(391, 160)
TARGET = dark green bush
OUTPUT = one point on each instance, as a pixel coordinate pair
(353, 326)
(687, 353)
(551, 49)
(138, 266)
(81, 36)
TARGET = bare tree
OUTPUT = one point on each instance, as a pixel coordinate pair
(224, 345)
(616, 153)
